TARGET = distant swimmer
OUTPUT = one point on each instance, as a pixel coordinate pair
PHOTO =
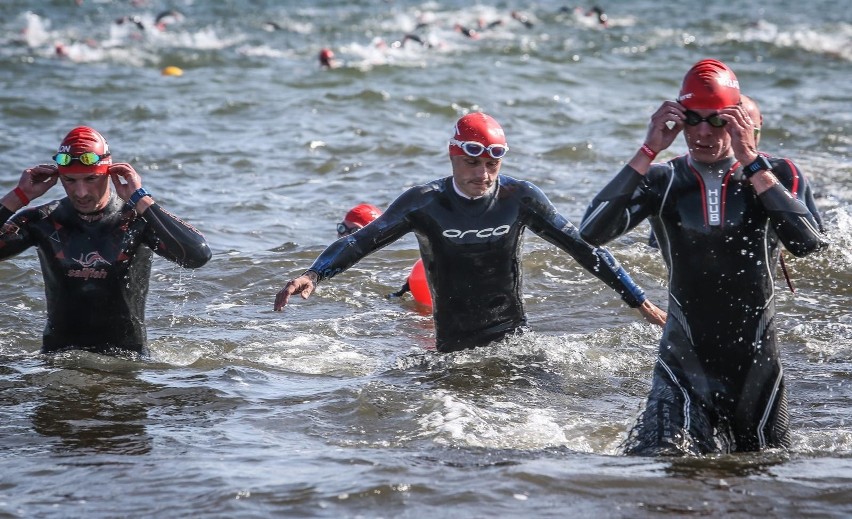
(416, 39)
(523, 18)
(469, 227)
(603, 19)
(271, 26)
(131, 19)
(486, 26)
(166, 18)
(326, 58)
(470, 33)
(95, 245)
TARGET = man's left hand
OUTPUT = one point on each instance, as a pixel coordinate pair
(125, 179)
(653, 314)
(741, 129)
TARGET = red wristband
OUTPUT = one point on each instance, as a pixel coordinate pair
(21, 196)
(651, 154)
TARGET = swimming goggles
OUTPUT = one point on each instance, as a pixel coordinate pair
(693, 119)
(475, 149)
(344, 230)
(90, 158)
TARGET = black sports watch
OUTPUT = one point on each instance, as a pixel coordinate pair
(761, 163)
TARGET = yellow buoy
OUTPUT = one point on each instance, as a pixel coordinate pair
(171, 70)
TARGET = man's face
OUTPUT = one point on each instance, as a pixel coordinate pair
(88, 193)
(707, 143)
(475, 176)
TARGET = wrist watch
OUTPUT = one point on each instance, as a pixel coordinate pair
(137, 195)
(761, 163)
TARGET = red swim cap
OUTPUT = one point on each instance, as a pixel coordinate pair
(709, 85)
(478, 127)
(362, 214)
(81, 140)
(325, 57)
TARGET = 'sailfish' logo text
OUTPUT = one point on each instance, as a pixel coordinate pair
(87, 273)
(479, 233)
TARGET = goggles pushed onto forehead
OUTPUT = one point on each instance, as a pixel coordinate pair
(693, 119)
(90, 158)
(475, 149)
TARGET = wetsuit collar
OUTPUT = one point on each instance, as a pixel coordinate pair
(91, 217)
(718, 168)
(466, 197)
(111, 206)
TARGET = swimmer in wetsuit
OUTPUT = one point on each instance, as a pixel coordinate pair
(95, 245)
(782, 168)
(469, 227)
(720, 214)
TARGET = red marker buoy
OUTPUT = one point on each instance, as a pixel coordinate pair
(418, 284)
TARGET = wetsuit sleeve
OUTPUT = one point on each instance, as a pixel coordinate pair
(14, 237)
(547, 223)
(385, 229)
(619, 207)
(174, 239)
(786, 205)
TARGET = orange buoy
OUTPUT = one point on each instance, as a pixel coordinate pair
(418, 284)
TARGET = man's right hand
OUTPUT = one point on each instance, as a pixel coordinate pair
(34, 182)
(665, 125)
(37, 180)
(304, 285)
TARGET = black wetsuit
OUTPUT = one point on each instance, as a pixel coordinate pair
(783, 168)
(471, 252)
(718, 383)
(96, 273)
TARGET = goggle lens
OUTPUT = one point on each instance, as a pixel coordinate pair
(693, 119)
(344, 230)
(475, 149)
(90, 158)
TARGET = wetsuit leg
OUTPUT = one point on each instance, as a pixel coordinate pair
(761, 418)
(674, 422)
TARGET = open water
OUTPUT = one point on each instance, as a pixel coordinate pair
(340, 407)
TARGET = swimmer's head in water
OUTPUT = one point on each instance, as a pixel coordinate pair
(325, 57)
(478, 128)
(709, 85)
(357, 217)
(83, 151)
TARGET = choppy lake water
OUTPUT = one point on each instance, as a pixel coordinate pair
(339, 407)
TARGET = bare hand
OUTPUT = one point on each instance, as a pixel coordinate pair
(304, 285)
(131, 180)
(665, 125)
(653, 314)
(36, 181)
(741, 129)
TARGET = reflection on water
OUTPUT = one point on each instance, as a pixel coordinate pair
(91, 411)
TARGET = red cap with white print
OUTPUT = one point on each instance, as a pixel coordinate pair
(709, 85)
